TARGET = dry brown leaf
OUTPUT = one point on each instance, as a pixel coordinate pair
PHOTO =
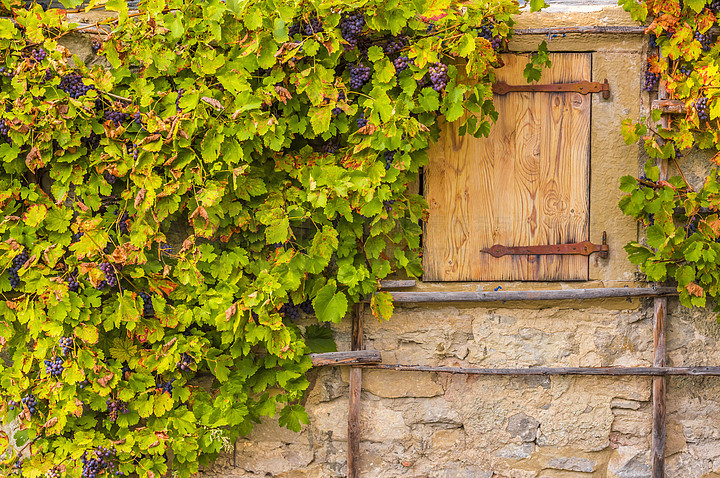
(187, 244)
(231, 311)
(106, 379)
(214, 103)
(200, 211)
(694, 289)
(167, 346)
(50, 422)
(34, 160)
(283, 94)
(140, 196)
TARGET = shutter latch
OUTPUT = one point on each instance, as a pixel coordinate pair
(584, 248)
(582, 87)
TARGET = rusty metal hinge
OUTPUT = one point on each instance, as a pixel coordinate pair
(582, 87)
(584, 248)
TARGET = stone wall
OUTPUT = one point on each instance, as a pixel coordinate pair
(418, 424)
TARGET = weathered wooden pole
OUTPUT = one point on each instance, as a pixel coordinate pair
(353, 437)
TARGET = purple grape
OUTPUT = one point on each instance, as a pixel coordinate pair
(438, 76)
(290, 310)
(351, 26)
(701, 106)
(67, 344)
(73, 85)
(54, 367)
(651, 80)
(359, 75)
(185, 362)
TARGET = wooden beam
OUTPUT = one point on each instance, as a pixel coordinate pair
(522, 295)
(397, 284)
(602, 371)
(346, 358)
(669, 106)
(659, 383)
(589, 29)
(354, 399)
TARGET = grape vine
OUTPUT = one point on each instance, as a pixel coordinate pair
(682, 243)
(175, 226)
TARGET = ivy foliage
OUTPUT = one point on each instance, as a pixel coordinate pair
(166, 220)
(683, 225)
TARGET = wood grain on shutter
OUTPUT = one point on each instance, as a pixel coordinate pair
(526, 184)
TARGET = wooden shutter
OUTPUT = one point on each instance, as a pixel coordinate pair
(526, 184)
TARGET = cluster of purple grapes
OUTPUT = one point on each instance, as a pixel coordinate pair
(117, 117)
(388, 204)
(701, 106)
(394, 45)
(132, 148)
(123, 223)
(651, 80)
(148, 308)
(361, 120)
(389, 157)
(53, 473)
(7, 72)
(38, 55)
(116, 407)
(485, 32)
(96, 45)
(685, 69)
(164, 387)
(438, 76)
(100, 460)
(652, 41)
(109, 177)
(691, 227)
(307, 307)
(165, 249)
(67, 344)
(73, 85)
(4, 132)
(401, 64)
(359, 75)
(181, 91)
(330, 147)
(110, 276)
(29, 402)
(290, 311)
(76, 236)
(92, 141)
(54, 367)
(351, 27)
(306, 28)
(137, 117)
(72, 281)
(337, 110)
(17, 263)
(705, 40)
(185, 362)
(49, 75)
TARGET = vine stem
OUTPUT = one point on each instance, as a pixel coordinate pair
(677, 165)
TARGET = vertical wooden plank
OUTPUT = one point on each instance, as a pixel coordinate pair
(526, 184)
(658, 434)
(353, 436)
